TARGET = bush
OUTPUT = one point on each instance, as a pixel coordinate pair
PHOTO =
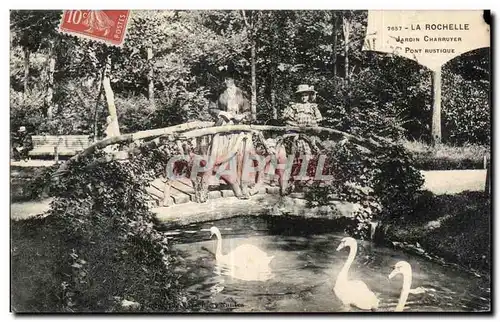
(26, 112)
(383, 183)
(466, 111)
(112, 251)
(397, 182)
(171, 107)
(359, 107)
(135, 113)
(447, 157)
(40, 185)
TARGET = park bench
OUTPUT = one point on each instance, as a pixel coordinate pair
(61, 145)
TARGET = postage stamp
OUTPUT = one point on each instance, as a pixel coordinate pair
(108, 26)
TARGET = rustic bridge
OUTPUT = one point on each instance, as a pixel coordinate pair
(181, 197)
(166, 192)
(182, 190)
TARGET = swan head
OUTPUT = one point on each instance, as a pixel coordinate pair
(214, 231)
(346, 242)
(401, 267)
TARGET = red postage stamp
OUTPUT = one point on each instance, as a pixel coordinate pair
(107, 26)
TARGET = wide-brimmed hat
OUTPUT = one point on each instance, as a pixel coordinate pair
(304, 88)
(22, 129)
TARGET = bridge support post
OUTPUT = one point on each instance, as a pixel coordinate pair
(167, 201)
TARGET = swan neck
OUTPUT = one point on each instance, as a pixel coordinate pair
(218, 250)
(405, 291)
(349, 261)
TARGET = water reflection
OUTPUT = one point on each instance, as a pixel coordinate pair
(305, 267)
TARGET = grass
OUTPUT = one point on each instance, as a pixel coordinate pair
(454, 227)
(36, 249)
(447, 157)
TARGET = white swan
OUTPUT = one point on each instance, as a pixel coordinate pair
(246, 262)
(404, 268)
(353, 292)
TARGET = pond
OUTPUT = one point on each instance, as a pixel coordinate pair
(305, 266)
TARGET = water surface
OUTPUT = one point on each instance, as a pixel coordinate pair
(305, 268)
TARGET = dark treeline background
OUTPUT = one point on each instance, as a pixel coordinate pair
(172, 64)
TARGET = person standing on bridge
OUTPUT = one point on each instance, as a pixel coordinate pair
(303, 112)
(233, 108)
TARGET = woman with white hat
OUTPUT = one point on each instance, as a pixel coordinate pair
(303, 113)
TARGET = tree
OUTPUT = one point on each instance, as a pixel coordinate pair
(110, 97)
(334, 46)
(35, 30)
(171, 66)
(251, 19)
(50, 80)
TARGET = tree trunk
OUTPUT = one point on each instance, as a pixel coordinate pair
(436, 108)
(98, 99)
(347, 29)
(270, 90)
(254, 77)
(273, 102)
(273, 69)
(49, 107)
(114, 129)
(334, 47)
(151, 84)
(346, 26)
(26, 72)
(250, 29)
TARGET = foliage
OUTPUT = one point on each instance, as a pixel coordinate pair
(447, 157)
(194, 50)
(397, 182)
(382, 183)
(26, 111)
(455, 227)
(134, 113)
(466, 118)
(41, 184)
(34, 29)
(116, 253)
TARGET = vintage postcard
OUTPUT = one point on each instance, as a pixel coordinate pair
(266, 161)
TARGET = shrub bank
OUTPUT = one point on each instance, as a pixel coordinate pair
(454, 228)
(445, 157)
(98, 245)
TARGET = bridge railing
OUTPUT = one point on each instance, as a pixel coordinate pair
(182, 133)
(198, 129)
